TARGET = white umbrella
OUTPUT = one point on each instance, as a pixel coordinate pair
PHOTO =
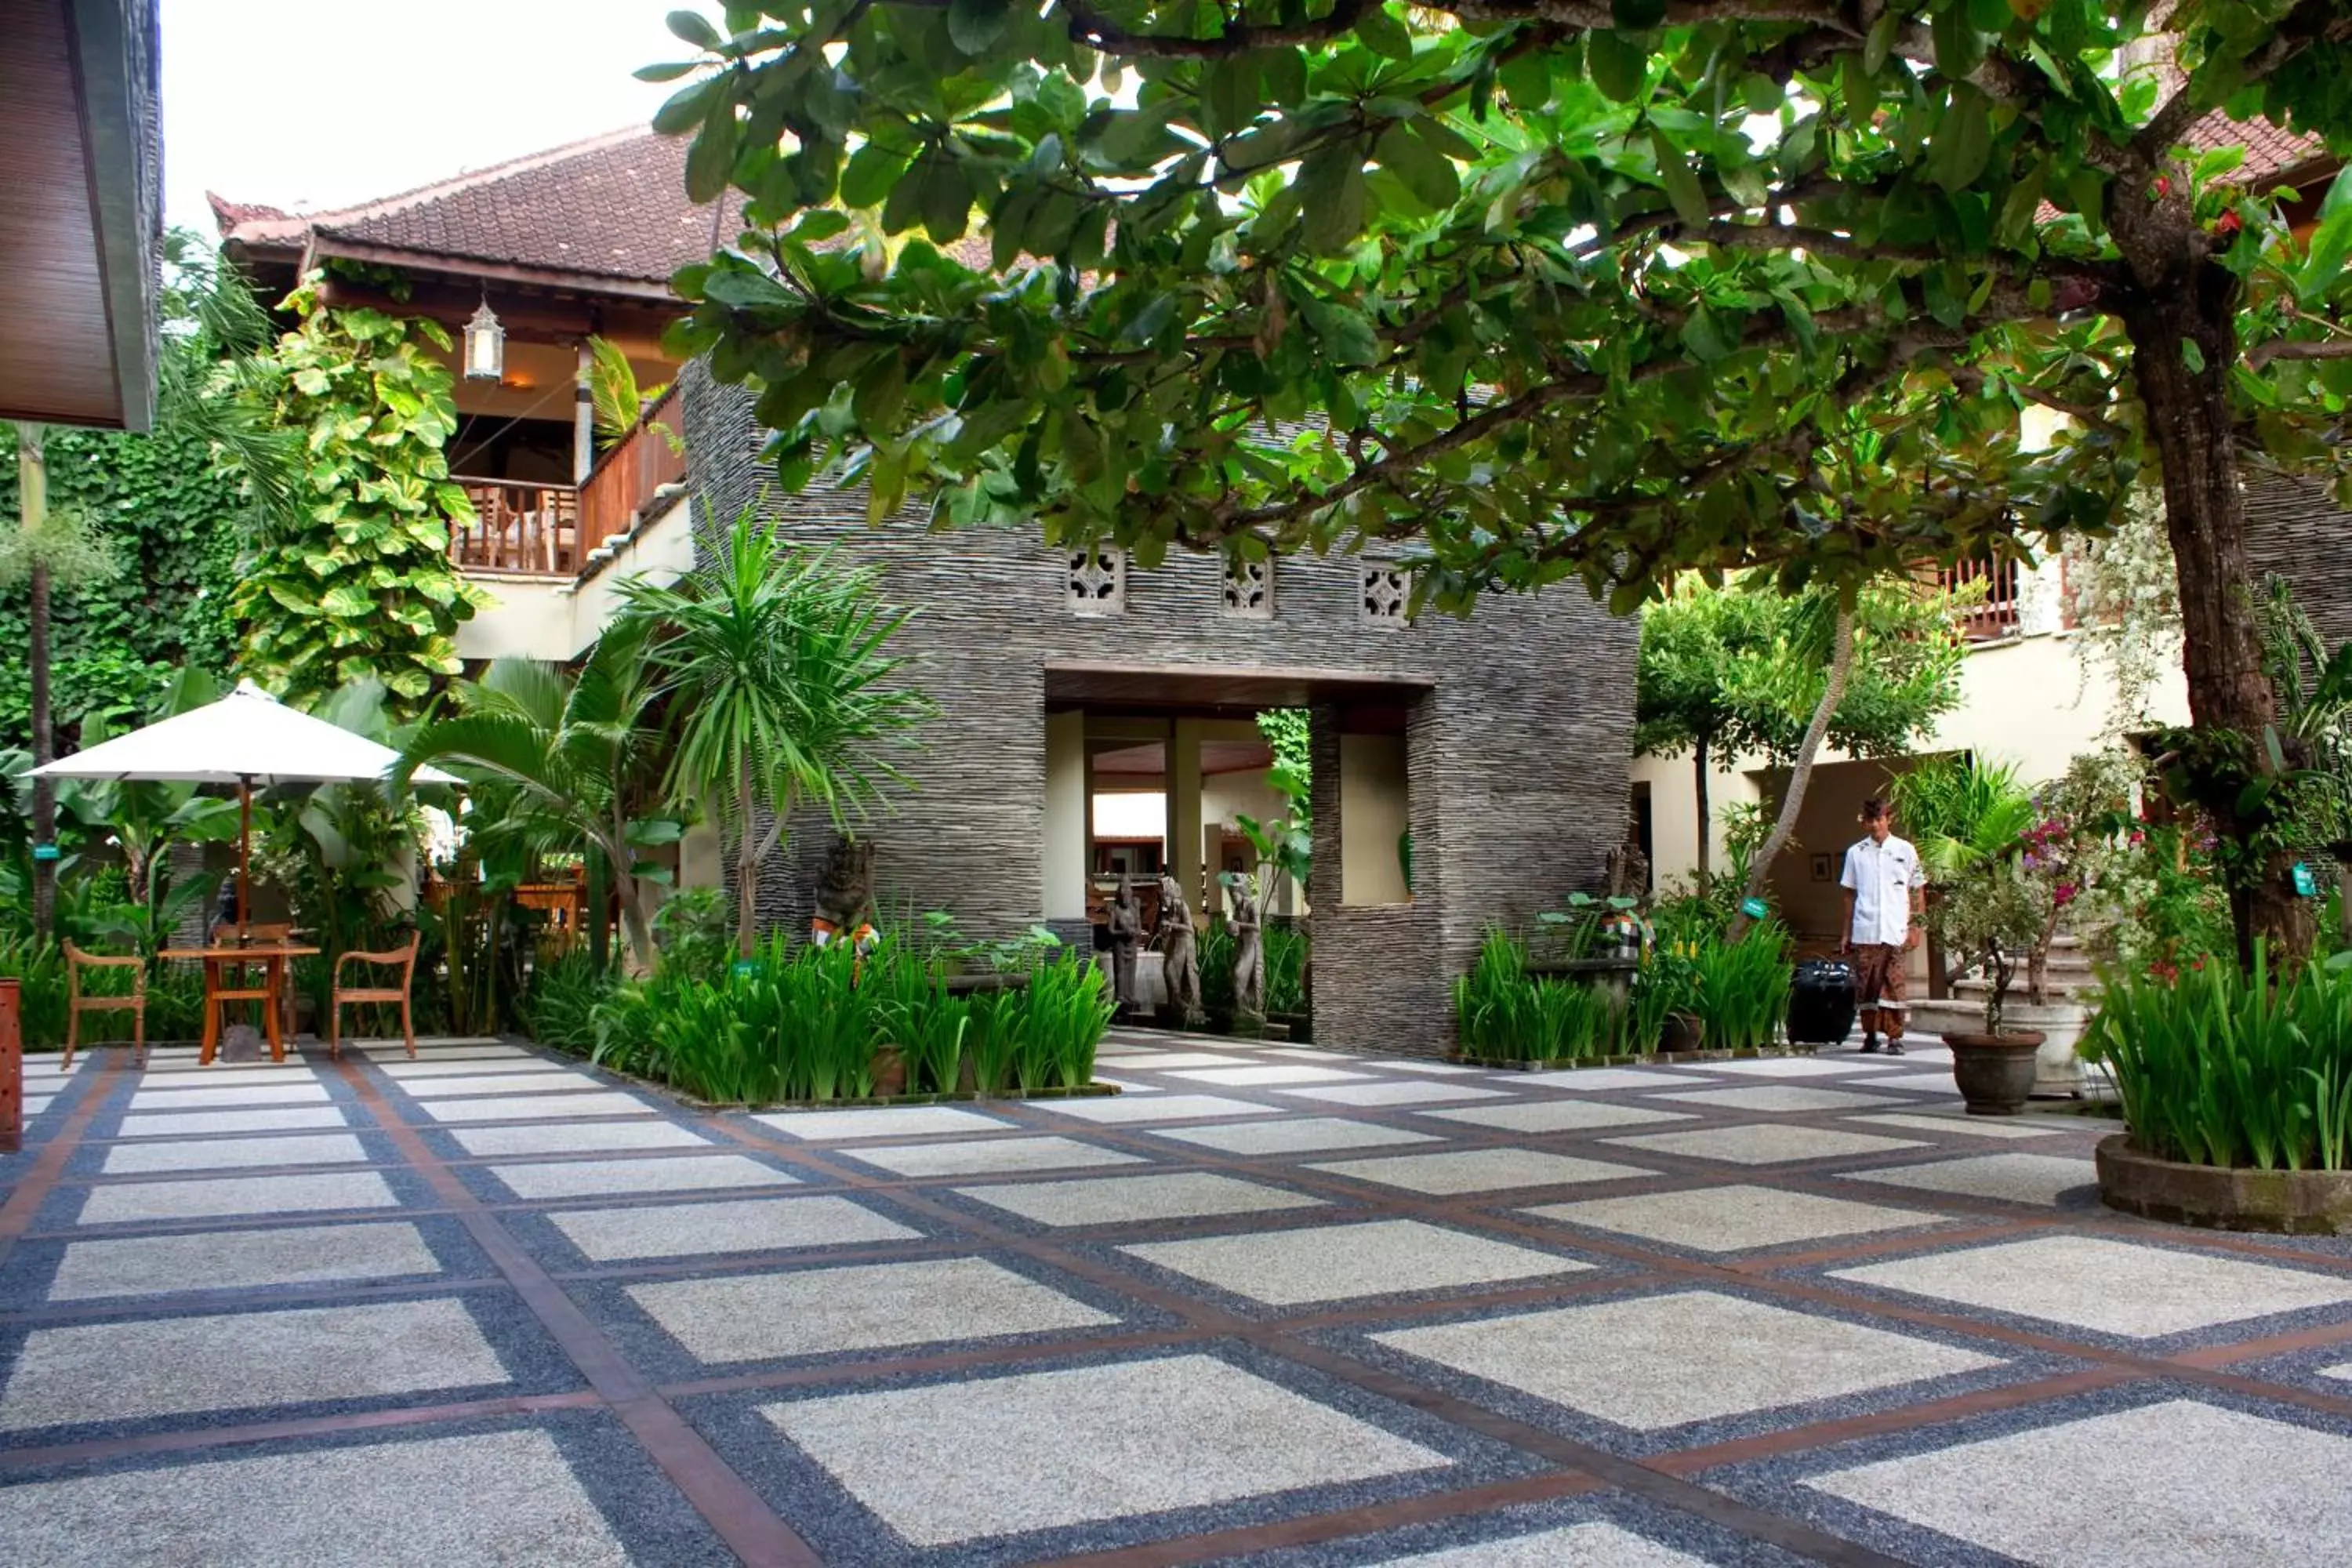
(247, 738)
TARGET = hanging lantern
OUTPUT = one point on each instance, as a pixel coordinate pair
(486, 345)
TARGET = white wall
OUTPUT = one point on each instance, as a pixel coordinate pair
(1373, 817)
(1136, 814)
(556, 618)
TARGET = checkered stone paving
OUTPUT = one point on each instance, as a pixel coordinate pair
(1288, 1306)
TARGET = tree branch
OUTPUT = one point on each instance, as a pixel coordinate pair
(2322, 348)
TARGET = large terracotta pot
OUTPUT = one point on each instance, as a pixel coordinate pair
(1994, 1072)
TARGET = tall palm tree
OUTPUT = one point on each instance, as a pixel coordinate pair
(577, 753)
(772, 658)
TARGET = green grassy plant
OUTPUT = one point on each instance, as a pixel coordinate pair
(560, 1005)
(1741, 989)
(1285, 968)
(2221, 1066)
(1064, 1012)
(1503, 1014)
(992, 1039)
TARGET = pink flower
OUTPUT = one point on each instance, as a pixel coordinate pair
(2065, 893)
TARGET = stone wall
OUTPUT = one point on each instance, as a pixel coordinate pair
(1517, 740)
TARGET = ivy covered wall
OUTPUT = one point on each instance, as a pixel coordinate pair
(175, 523)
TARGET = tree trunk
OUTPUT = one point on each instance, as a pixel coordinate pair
(2186, 392)
(747, 863)
(33, 505)
(1792, 799)
(1705, 828)
(633, 923)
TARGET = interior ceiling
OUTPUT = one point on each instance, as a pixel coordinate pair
(57, 345)
(1149, 758)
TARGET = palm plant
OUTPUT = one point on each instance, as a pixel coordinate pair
(578, 753)
(772, 659)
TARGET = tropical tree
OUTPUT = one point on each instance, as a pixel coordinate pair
(1563, 292)
(579, 754)
(1743, 669)
(775, 665)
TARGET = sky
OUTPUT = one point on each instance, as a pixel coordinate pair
(326, 102)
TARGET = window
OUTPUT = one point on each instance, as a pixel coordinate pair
(1097, 583)
(1388, 592)
(1249, 589)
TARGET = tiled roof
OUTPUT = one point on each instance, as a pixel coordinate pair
(612, 206)
(2271, 149)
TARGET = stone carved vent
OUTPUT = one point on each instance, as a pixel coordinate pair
(1249, 589)
(1388, 589)
(1097, 583)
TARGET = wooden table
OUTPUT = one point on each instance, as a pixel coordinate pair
(272, 956)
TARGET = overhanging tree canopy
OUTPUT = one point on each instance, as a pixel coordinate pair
(1559, 289)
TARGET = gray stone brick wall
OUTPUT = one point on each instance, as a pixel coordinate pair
(1517, 740)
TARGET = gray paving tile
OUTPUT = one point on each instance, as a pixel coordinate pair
(820, 1311)
(1114, 1200)
(1123, 1111)
(1605, 1080)
(1977, 1126)
(489, 1500)
(37, 1103)
(1264, 1075)
(1764, 1143)
(1165, 1061)
(1780, 1097)
(735, 1225)
(208, 1123)
(1435, 1069)
(580, 1138)
(2111, 1286)
(932, 1462)
(498, 1083)
(1335, 1263)
(988, 1155)
(533, 1106)
(241, 1259)
(2181, 1483)
(678, 1173)
(1302, 1136)
(123, 1203)
(1792, 1066)
(1938, 1083)
(1549, 1115)
(881, 1121)
(227, 1096)
(402, 1070)
(2015, 1178)
(1735, 1217)
(141, 1369)
(1631, 1362)
(1599, 1544)
(229, 1153)
(1417, 1091)
(1480, 1170)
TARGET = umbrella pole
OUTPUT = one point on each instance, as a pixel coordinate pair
(244, 852)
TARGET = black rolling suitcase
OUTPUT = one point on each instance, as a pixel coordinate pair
(1821, 1003)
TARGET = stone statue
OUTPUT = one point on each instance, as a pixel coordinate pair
(1179, 951)
(1126, 931)
(845, 894)
(1628, 867)
(1244, 921)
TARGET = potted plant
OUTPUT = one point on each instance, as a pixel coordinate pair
(1992, 914)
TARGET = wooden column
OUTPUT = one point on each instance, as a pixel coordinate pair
(12, 1066)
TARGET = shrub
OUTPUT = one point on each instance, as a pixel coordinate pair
(559, 1006)
(1285, 968)
(1063, 1014)
(1503, 1014)
(2221, 1066)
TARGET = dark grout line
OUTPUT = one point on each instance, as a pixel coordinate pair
(99, 1450)
(48, 1167)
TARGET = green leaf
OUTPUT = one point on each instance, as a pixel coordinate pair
(1637, 16)
(975, 25)
(1704, 335)
(1427, 174)
(2192, 356)
(1881, 41)
(1959, 47)
(1680, 181)
(693, 28)
(1963, 138)
(1618, 68)
(1331, 199)
(1526, 78)
(1380, 31)
(868, 177)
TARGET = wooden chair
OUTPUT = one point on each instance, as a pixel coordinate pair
(402, 959)
(134, 1001)
(273, 991)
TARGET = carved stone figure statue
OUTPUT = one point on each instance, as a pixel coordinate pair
(845, 894)
(1180, 951)
(1245, 921)
(1126, 931)
(1629, 869)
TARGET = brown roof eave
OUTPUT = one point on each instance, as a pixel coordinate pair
(644, 291)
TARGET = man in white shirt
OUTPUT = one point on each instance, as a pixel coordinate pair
(1885, 890)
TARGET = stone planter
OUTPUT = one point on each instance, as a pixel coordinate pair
(2293, 1202)
(2057, 1071)
(1994, 1072)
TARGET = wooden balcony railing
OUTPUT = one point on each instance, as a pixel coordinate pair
(518, 526)
(522, 526)
(1995, 614)
(620, 493)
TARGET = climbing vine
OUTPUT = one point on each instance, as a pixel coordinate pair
(2127, 606)
(356, 583)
